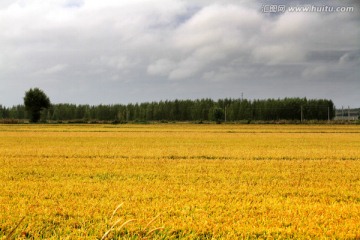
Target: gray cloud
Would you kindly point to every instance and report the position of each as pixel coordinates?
(130, 51)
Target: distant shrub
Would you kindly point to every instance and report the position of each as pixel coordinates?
(77, 121)
(9, 121)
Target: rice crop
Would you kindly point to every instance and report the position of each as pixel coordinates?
(179, 181)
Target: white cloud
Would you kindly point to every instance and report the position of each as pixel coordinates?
(314, 72)
(160, 67)
(92, 43)
(53, 69)
(350, 58)
(217, 24)
(279, 54)
(214, 35)
(116, 62)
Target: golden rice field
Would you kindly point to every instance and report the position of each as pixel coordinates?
(179, 181)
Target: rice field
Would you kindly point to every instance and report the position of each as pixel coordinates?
(179, 181)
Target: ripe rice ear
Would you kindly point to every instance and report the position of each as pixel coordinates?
(117, 208)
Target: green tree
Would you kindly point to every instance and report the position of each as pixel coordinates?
(218, 115)
(35, 101)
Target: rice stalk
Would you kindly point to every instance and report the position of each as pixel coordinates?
(117, 208)
(13, 230)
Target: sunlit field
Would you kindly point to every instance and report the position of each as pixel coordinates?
(179, 181)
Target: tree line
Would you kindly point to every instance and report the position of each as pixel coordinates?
(185, 110)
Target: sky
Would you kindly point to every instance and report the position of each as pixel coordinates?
(116, 51)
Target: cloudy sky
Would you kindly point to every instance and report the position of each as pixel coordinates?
(122, 51)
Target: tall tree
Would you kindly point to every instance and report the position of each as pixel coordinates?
(217, 115)
(35, 101)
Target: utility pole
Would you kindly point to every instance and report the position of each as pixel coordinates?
(328, 114)
(301, 116)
